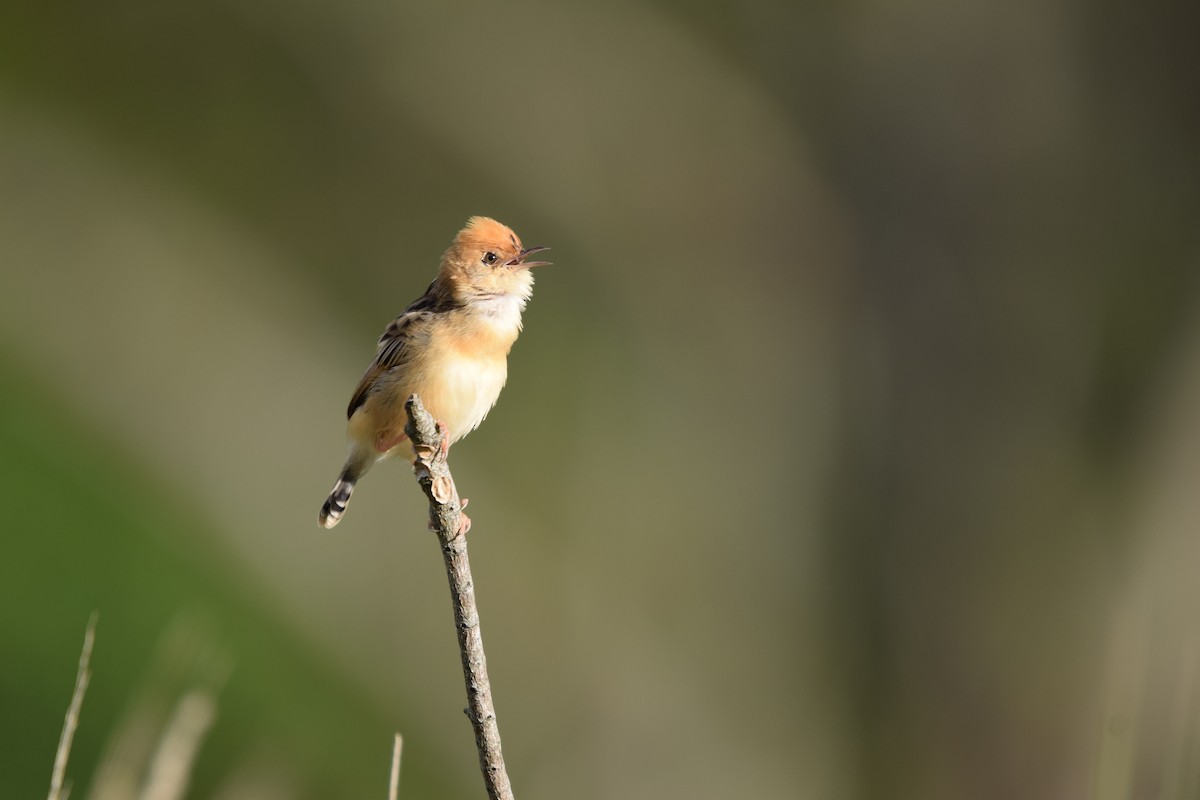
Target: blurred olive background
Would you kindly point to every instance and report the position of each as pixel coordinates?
(851, 449)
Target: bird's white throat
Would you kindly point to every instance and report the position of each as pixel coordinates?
(502, 310)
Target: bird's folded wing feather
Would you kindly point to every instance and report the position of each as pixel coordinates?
(392, 350)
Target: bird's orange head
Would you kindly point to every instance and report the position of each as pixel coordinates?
(486, 258)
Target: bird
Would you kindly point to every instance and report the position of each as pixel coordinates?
(450, 346)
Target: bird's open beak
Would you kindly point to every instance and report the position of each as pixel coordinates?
(520, 262)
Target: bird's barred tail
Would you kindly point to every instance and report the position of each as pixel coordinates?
(335, 505)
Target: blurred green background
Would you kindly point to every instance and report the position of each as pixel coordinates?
(851, 449)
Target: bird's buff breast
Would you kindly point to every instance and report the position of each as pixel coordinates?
(462, 390)
(458, 380)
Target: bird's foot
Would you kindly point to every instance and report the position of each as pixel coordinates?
(445, 431)
(383, 442)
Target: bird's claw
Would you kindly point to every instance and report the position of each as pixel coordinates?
(445, 432)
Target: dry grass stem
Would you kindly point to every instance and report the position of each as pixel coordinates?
(150, 754)
(171, 767)
(82, 676)
(394, 780)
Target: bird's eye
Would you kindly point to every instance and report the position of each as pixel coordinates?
(490, 258)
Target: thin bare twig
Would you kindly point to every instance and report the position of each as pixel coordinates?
(394, 780)
(446, 519)
(82, 676)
